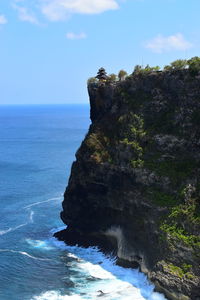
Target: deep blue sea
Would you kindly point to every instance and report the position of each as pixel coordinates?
(37, 147)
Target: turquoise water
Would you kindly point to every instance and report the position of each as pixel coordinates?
(37, 147)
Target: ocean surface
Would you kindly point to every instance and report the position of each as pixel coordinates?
(37, 147)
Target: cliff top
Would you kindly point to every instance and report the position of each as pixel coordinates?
(190, 67)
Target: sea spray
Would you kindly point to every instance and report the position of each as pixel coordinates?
(97, 275)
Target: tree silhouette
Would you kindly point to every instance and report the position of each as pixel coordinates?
(122, 74)
(112, 77)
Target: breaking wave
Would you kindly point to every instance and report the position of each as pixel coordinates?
(96, 276)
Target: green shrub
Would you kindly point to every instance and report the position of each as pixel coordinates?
(138, 163)
(194, 65)
(183, 271)
(112, 78)
(147, 69)
(122, 74)
(98, 146)
(182, 224)
(131, 134)
(132, 126)
(179, 64)
(180, 234)
(92, 80)
(137, 69)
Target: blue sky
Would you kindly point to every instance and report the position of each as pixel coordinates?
(49, 48)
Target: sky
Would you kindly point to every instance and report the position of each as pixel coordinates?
(49, 48)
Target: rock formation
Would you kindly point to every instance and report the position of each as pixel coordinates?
(134, 187)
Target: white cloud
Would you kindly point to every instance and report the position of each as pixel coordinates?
(25, 15)
(161, 44)
(56, 10)
(74, 36)
(3, 20)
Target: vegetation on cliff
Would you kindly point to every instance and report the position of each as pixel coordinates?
(193, 65)
(138, 170)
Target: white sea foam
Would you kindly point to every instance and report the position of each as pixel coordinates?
(95, 270)
(41, 202)
(110, 281)
(96, 276)
(30, 220)
(54, 230)
(31, 216)
(156, 296)
(23, 253)
(42, 245)
(54, 295)
(2, 232)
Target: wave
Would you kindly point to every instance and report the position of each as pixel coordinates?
(2, 232)
(96, 276)
(23, 253)
(11, 229)
(101, 277)
(112, 295)
(42, 245)
(40, 202)
(54, 295)
(54, 230)
(31, 216)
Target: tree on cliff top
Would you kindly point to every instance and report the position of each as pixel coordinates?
(122, 74)
(179, 64)
(101, 74)
(92, 80)
(194, 65)
(111, 78)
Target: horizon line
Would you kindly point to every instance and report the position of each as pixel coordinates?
(44, 104)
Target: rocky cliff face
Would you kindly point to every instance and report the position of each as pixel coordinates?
(134, 186)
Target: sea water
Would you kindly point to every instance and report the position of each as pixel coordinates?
(37, 147)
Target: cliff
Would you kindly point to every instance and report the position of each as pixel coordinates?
(134, 187)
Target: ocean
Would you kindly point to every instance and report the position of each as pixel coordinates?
(37, 147)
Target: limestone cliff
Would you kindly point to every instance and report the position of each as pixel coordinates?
(134, 186)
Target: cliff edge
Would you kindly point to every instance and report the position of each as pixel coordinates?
(134, 187)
